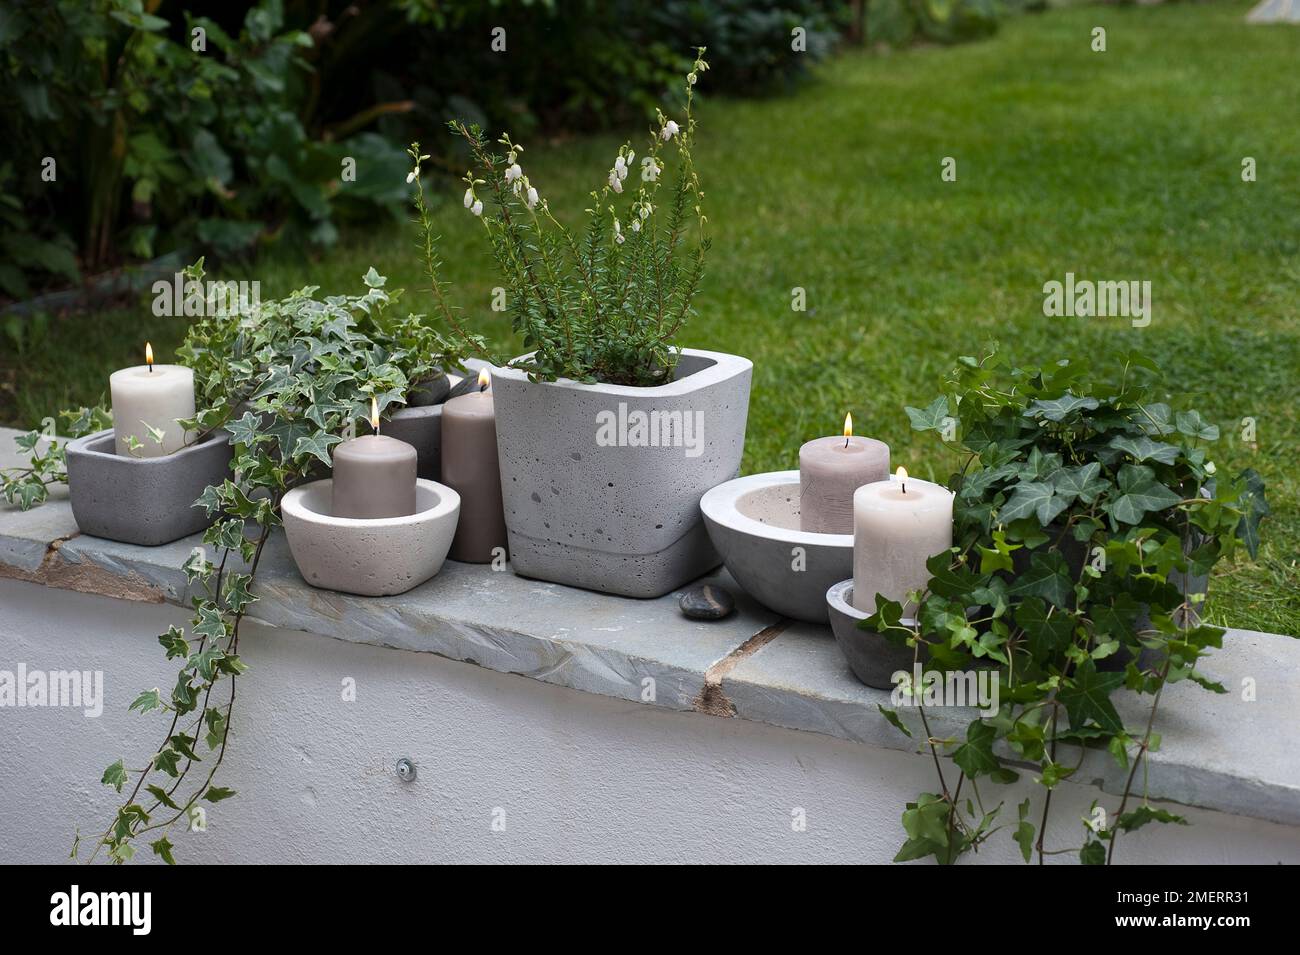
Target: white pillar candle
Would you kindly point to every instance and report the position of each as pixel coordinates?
(898, 525)
(830, 470)
(148, 396)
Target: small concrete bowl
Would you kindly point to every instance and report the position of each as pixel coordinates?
(872, 658)
(371, 557)
(753, 522)
(147, 501)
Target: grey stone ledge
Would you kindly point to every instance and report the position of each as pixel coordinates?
(1218, 751)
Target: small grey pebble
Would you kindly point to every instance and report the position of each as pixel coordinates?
(707, 602)
(432, 391)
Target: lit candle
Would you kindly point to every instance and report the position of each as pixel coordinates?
(898, 525)
(470, 467)
(151, 396)
(830, 470)
(374, 475)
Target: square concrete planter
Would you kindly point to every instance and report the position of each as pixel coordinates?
(588, 504)
(147, 501)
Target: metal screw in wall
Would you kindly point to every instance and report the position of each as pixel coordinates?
(405, 770)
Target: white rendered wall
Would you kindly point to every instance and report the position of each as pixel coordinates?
(580, 778)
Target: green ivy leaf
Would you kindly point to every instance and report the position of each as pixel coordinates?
(1142, 815)
(975, 756)
(930, 418)
(1093, 853)
(163, 798)
(318, 446)
(1144, 449)
(148, 700)
(1047, 577)
(1139, 494)
(218, 793)
(1083, 483)
(894, 720)
(1025, 832)
(1058, 409)
(1033, 499)
(1087, 698)
(115, 776)
(1193, 425)
(163, 849)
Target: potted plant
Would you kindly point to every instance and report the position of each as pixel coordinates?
(608, 434)
(1087, 519)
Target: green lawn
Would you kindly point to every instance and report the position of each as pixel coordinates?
(1120, 165)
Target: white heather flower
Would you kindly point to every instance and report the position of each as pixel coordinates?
(649, 169)
(670, 130)
(519, 184)
(646, 210)
(410, 176)
(1209, 467)
(620, 164)
(631, 155)
(691, 78)
(477, 207)
(615, 183)
(514, 172)
(531, 201)
(636, 225)
(469, 197)
(618, 232)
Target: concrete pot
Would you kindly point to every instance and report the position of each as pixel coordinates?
(617, 516)
(370, 557)
(146, 501)
(873, 659)
(754, 523)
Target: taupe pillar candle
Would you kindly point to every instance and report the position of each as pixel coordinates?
(374, 476)
(830, 470)
(470, 467)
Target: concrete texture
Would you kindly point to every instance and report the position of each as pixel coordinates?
(871, 658)
(370, 557)
(1232, 753)
(147, 501)
(1275, 11)
(754, 523)
(618, 519)
(510, 770)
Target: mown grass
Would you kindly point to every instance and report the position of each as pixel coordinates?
(1117, 165)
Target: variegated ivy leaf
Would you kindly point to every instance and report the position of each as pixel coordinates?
(1144, 448)
(1083, 483)
(1058, 409)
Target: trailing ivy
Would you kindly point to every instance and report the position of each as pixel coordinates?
(1085, 511)
(285, 384)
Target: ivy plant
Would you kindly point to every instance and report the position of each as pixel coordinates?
(285, 383)
(1088, 514)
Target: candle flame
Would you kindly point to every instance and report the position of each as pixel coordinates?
(901, 473)
(848, 425)
(148, 355)
(374, 414)
(484, 379)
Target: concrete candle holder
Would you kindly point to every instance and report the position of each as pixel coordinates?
(753, 521)
(146, 501)
(371, 557)
(872, 658)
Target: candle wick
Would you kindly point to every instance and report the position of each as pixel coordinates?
(904, 487)
(846, 441)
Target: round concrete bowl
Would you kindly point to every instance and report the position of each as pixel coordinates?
(873, 659)
(371, 557)
(753, 521)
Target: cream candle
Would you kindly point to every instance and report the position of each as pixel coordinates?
(898, 525)
(470, 467)
(374, 475)
(151, 396)
(830, 470)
